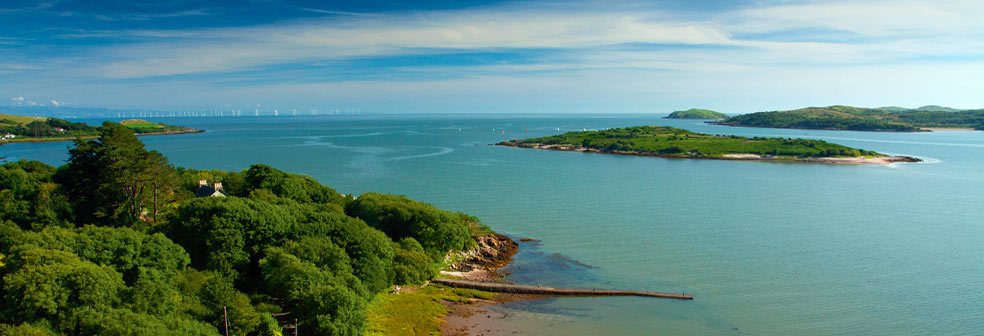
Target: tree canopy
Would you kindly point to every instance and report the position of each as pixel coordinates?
(115, 243)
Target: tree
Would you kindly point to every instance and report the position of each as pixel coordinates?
(110, 181)
(29, 198)
(438, 231)
(410, 263)
(49, 284)
(227, 234)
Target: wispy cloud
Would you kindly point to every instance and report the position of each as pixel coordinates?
(334, 12)
(146, 17)
(911, 30)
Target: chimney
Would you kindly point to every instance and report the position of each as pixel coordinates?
(202, 183)
(218, 185)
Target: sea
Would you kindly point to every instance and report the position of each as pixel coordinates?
(765, 248)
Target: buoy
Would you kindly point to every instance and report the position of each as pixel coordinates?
(503, 131)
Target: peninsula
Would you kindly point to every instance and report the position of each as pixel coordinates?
(15, 128)
(696, 113)
(675, 143)
(881, 119)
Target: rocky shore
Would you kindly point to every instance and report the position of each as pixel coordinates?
(481, 263)
(732, 157)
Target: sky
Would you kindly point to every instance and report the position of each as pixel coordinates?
(467, 56)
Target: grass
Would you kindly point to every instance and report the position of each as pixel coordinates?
(415, 312)
(137, 123)
(18, 119)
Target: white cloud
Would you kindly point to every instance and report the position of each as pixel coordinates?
(17, 99)
(594, 50)
(55, 103)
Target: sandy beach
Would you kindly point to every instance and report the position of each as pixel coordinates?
(859, 160)
(947, 129)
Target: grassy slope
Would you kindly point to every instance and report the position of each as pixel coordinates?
(415, 312)
(696, 113)
(862, 119)
(19, 119)
(674, 142)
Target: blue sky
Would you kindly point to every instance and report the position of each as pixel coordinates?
(487, 56)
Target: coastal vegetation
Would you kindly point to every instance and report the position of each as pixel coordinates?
(53, 129)
(415, 311)
(680, 143)
(116, 242)
(696, 113)
(885, 119)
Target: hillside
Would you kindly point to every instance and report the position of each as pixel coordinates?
(13, 120)
(672, 142)
(884, 119)
(696, 113)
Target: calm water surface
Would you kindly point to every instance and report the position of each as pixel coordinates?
(766, 248)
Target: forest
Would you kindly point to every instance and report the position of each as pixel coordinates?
(115, 242)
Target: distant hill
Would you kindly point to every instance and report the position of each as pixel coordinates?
(883, 119)
(696, 113)
(937, 108)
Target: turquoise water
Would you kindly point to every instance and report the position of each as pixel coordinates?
(766, 248)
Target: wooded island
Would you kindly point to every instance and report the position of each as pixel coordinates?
(669, 142)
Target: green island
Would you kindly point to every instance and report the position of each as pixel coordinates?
(38, 129)
(669, 142)
(882, 119)
(119, 242)
(696, 113)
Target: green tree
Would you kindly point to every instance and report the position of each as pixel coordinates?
(48, 284)
(438, 231)
(227, 234)
(112, 180)
(411, 264)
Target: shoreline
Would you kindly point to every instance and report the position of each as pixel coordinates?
(481, 263)
(730, 157)
(90, 137)
(933, 129)
(917, 130)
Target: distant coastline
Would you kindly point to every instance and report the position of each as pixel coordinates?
(90, 137)
(849, 118)
(15, 128)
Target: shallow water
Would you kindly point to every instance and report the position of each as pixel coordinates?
(766, 248)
